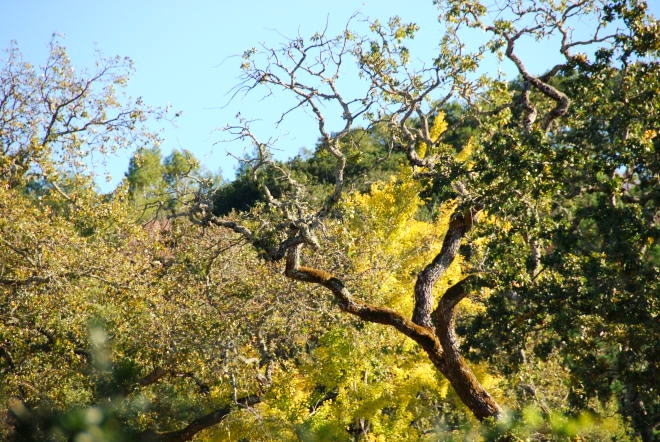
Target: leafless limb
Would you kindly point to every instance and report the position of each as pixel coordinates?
(461, 222)
(540, 20)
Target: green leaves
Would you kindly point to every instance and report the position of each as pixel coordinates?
(193, 319)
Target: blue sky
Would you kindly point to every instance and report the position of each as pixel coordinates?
(184, 55)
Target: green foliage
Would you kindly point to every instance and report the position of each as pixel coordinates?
(368, 160)
(146, 172)
(242, 194)
(585, 204)
(531, 423)
(158, 186)
(114, 330)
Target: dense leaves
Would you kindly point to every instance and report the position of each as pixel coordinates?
(459, 249)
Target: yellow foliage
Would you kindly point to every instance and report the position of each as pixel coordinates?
(466, 152)
(438, 128)
(376, 368)
(390, 245)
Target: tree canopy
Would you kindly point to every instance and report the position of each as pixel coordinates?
(459, 257)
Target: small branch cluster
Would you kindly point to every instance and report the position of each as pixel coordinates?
(541, 20)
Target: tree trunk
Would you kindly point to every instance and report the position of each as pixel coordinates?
(452, 364)
(468, 388)
(439, 343)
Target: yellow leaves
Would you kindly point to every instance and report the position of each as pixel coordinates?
(385, 235)
(501, 223)
(290, 394)
(372, 374)
(465, 154)
(390, 245)
(415, 376)
(438, 128)
(386, 213)
(649, 135)
(400, 33)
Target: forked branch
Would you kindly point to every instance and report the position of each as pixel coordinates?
(461, 222)
(424, 336)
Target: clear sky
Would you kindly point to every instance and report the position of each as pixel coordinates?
(183, 54)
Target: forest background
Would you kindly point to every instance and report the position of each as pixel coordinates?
(486, 230)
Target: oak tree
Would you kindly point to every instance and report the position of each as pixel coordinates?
(537, 146)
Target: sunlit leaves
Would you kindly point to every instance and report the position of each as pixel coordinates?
(54, 118)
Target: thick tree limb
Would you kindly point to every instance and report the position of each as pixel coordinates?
(460, 223)
(454, 367)
(444, 314)
(424, 336)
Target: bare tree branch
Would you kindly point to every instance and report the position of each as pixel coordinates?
(461, 222)
(380, 315)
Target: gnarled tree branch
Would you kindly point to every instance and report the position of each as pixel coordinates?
(454, 367)
(461, 222)
(381, 315)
